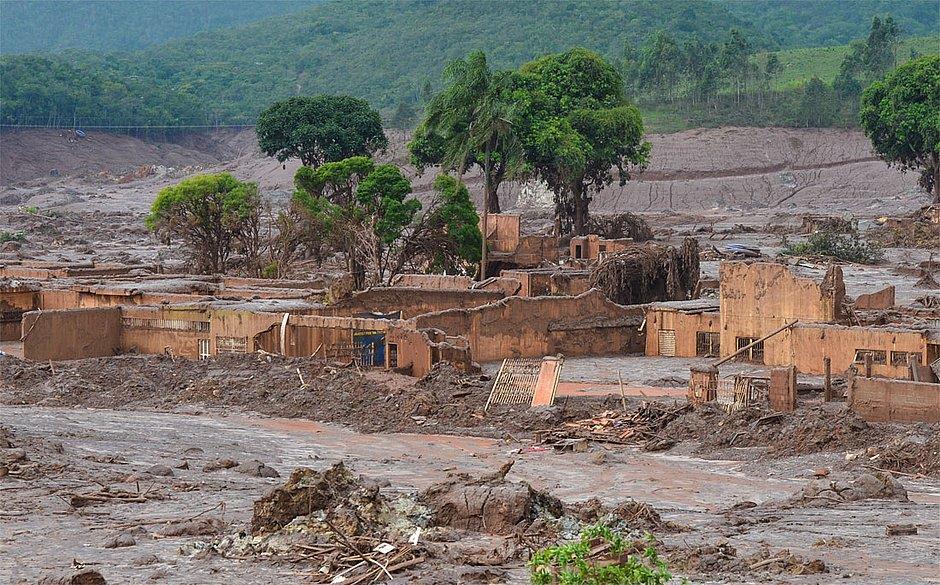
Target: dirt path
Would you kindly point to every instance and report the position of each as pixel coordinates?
(39, 533)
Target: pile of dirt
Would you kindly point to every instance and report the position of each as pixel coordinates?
(915, 452)
(446, 401)
(627, 516)
(809, 430)
(339, 525)
(615, 226)
(488, 503)
(333, 499)
(648, 273)
(722, 558)
(877, 485)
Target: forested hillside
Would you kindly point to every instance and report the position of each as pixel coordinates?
(123, 25)
(816, 23)
(701, 63)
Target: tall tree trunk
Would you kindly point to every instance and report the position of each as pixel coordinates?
(936, 176)
(487, 177)
(580, 208)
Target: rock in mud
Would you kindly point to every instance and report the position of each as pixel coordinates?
(487, 504)
(160, 470)
(867, 486)
(219, 464)
(205, 526)
(120, 541)
(83, 577)
(257, 469)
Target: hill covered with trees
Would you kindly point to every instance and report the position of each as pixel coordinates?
(123, 25)
(392, 54)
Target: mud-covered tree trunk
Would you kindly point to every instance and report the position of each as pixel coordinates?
(580, 201)
(935, 157)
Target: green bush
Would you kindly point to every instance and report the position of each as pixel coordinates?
(573, 563)
(847, 247)
(12, 237)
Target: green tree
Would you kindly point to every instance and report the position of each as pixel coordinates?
(900, 115)
(446, 237)
(661, 65)
(733, 57)
(320, 129)
(817, 104)
(576, 125)
(404, 116)
(364, 206)
(471, 122)
(881, 47)
(211, 214)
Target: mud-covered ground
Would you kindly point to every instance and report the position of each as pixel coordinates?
(721, 514)
(732, 493)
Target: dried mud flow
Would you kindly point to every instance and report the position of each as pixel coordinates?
(262, 469)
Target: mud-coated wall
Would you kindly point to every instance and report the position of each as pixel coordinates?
(538, 283)
(685, 325)
(807, 346)
(71, 334)
(410, 301)
(588, 324)
(758, 297)
(879, 400)
(432, 281)
(14, 302)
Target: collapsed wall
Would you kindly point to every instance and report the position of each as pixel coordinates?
(649, 272)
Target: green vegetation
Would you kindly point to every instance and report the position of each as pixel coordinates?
(798, 23)
(366, 212)
(846, 247)
(112, 25)
(390, 54)
(573, 563)
(575, 124)
(213, 215)
(901, 115)
(471, 122)
(6, 236)
(320, 129)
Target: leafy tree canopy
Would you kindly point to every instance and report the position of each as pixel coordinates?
(209, 213)
(576, 125)
(320, 129)
(901, 116)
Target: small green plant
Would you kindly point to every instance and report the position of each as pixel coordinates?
(598, 557)
(12, 237)
(31, 209)
(847, 247)
(271, 270)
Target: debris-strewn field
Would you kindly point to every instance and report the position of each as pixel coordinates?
(146, 467)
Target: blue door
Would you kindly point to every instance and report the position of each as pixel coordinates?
(370, 347)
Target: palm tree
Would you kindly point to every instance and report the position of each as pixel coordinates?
(474, 116)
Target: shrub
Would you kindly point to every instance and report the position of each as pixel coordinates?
(847, 247)
(12, 237)
(573, 563)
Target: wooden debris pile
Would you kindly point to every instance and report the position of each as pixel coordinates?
(353, 560)
(337, 527)
(641, 427)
